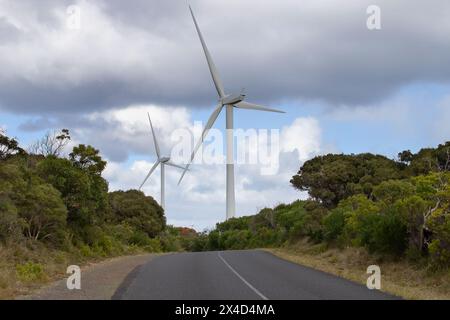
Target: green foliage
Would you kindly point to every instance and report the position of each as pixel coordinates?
(87, 158)
(10, 228)
(397, 218)
(384, 233)
(391, 208)
(392, 190)
(412, 210)
(85, 195)
(137, 210)
(334, 224)
(332, 178)
(43, 212)
(170, 242)
(9, 147)
(268, 228)
(429, 160)
(405, 156)
(439, 225)
(29, 206)
(65, 203)
(30, 271)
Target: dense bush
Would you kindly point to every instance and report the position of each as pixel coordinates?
(397, 208)
(391, 208)
(332, 178)
(65, 203)
(137, 210)
(29, 206)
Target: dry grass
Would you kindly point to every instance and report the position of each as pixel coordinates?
(397, 277)
(24, 268)
(13, 283)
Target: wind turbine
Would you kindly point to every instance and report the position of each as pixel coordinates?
(163, 161)
(229, 101)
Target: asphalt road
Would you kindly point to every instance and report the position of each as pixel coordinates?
(235, 275)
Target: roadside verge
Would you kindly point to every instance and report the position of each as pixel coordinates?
(99, 281)
(399, 278)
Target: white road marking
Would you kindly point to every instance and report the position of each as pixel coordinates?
(242, 278)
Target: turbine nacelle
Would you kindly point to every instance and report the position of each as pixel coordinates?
(231, 99)
(164, 159)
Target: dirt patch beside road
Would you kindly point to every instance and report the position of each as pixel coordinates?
(98, 281)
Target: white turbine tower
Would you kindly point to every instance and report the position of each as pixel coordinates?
(162, 161)
(229, 101)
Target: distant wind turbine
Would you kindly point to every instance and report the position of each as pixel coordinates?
(229, 101)
(162, 161)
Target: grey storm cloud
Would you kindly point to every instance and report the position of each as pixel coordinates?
(147, 52)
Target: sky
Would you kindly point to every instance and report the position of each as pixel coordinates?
(344, 87)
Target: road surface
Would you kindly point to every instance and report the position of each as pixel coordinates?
(235, 275)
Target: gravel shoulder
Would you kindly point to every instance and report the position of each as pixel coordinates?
(98, 281)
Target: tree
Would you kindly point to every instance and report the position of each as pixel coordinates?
(10, 229)
(87, 158)
(432, 222)
(29, 204)
(363, 222)
(405, 156)
(415, 211)
(141, 212)
(51, 144)
(392, 190)
(9, 147)
(85, 195)
(332, 178)
(439, 224)
(43, 212)
(10, 180)
(11, 185)
(431, 160)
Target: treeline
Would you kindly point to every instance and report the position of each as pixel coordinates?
(398, 208)
(63, 202)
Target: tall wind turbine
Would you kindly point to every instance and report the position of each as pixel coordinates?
(163, 161)
(229, 101)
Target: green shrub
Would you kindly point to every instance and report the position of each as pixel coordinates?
(139, 211)
(140, 238)
(384, 233)
(170, 243)
(153, 245)
(86, 251)
(106, 246)
(440, 245)
(123, 232)
(334, 224)
(30, 271)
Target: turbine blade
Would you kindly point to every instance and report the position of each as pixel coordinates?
(211, 65)
(169, 163)
(149, 173)
(154, 136)
(252, 106)
(208, 126)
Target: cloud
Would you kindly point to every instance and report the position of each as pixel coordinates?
(304, 136)
(120, 133)
(205, 183)
(148, 52)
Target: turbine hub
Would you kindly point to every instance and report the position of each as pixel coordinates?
(164, 159)
(232, 99)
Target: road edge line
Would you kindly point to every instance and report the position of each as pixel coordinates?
(242, 278)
